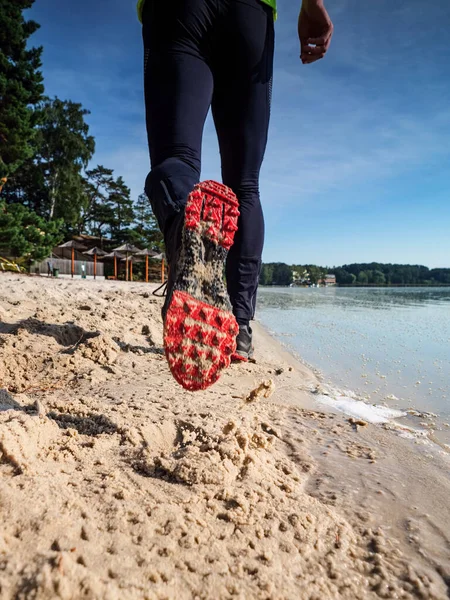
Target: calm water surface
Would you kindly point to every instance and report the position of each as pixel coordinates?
(378, 342)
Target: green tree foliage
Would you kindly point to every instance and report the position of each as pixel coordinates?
(96, 214)
(362, 274)
(108, 211)
(20, 86)
(27, 186)
(378, 277)
(64, 149)
(122, 209)
(363, 277)
(147, 233)
(51, 183)
(107, 208)
(266, 276)
(45, 149)
(440, 275)
(282, 274)
(24, 234)
(276, 274)
(390, 274)
(343, 277)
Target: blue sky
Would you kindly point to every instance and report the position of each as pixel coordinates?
(357, 166)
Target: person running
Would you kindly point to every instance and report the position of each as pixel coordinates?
(218, 54)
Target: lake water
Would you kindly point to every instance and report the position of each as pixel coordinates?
(388, 346)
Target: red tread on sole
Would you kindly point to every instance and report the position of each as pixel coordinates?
(197, 348)
(199, 338)
(220, 212)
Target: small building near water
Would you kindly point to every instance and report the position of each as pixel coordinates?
(329, 280)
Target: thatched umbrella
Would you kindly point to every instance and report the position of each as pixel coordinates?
(147, 253)
(95, 252)
(114, 255)
(74, 246)
(128, 249)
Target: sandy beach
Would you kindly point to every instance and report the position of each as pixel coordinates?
(115, 483)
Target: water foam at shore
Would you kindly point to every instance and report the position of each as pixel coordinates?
(359, 409)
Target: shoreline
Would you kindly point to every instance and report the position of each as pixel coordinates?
(350, 404)
(355, 373)
(114, 477)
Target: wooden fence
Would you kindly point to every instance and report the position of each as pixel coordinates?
(65, 267)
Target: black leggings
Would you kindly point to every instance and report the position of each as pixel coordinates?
(218, 53)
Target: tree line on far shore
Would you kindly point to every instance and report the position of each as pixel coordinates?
(49, 189)
(353, 274)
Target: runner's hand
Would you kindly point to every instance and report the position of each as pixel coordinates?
(314, 30)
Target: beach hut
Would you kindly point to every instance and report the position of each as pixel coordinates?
(114, 256)
(128, 249)
(147, 253)
(96, 253)
(73, 246)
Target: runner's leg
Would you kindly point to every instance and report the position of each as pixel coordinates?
(198, 221)
(243, 68)
(178, 92)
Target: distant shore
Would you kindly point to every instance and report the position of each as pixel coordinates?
(366, 285)
(384, 285)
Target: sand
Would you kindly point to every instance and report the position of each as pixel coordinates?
(117, 484)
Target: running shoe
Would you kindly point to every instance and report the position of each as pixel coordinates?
(200, 329)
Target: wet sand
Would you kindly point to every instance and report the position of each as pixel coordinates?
(115, 483)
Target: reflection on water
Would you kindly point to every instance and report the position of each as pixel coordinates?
(352, 298)
(380, 342)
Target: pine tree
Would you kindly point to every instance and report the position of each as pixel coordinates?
(148, 234)
(24, 234)
(65, 148)
(123, 213)
(51, 183)
(20, 86)
(27, 186)
(94, 214)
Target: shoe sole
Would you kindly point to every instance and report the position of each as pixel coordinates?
(200, 329)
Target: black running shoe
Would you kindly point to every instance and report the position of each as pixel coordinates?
(244, 340)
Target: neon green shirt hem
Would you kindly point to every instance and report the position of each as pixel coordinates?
(271, 3)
